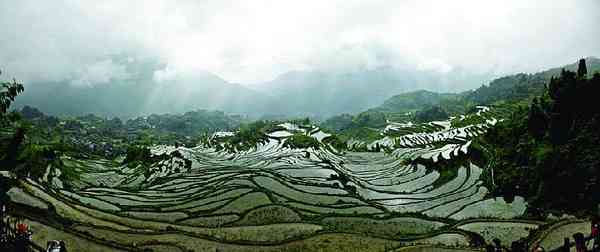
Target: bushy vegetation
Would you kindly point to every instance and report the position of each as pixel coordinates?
(339, 122)
(335, 142)
(370, 119)
(8, 92)
(111, 137)
(414, 101)
(435, 113)
(33, 160)
(189, 123)
(363, 126)
(412, 106)
(248, 135)
(367, 119)
(521, 86)
(549, 151)
(365, 134)
(137, 154)
(302, 141)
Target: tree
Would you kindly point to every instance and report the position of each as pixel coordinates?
(8, 92)
(371, 119)
(339, 122)
(431, 114)
(31, 113)
(554, 88)
(581, 69)
(537, 123)
(137, 154)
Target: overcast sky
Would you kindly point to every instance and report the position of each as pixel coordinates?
(254, 41)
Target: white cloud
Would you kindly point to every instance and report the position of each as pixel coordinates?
(249, 41)
(437, 65)
(101, 72)
(163, 75)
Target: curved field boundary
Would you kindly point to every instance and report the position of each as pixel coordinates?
(545, 232)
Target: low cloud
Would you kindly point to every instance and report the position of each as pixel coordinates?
(163, 75)
(249, 42)
(101, 72)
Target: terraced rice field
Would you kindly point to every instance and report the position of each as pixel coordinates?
(277, 198)
(552, 238)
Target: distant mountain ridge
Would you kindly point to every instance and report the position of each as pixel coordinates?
(522, 85)
(330, 93)
(310, 93)
(511, 87)
(411, 101)
(141, 94)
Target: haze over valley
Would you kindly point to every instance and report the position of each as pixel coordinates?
(299, 125)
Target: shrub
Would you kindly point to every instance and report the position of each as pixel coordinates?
(302, 141)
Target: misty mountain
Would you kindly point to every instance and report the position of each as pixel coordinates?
(511, 88)
(328, 93)
(522, 85)
(412, 101)
(409, 106)
(139, 93)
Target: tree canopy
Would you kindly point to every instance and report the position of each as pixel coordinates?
(8, 93)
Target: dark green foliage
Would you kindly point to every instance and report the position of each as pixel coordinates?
(302, 141)
(114, 124)
(362, 133)
(414, 101)
(371, 119)
(341, 177)
(137, 154)
(12, 149)
(555, 164)
(435, 113)
(9, 156)
(73, 125)
(560, 125)
(511, 146)
(362, 126)
(581, 69)
(524, 86)
(402, 107)
(339, 122)
(251, 133)
(34, 159)
(109, 137)
(37, 117)
(248, 135)
(141, 155)
(514, 87)
(335, 142)
(508, 89)
(30, 113)
(301, 122)
(537, 122)
(8, 92)
(189, 123)
(13, 116)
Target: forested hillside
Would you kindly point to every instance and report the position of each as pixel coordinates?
(549, 151)
(522, 86)
(423, 105)
(504, 89)
(400, 107)
(546, 149)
